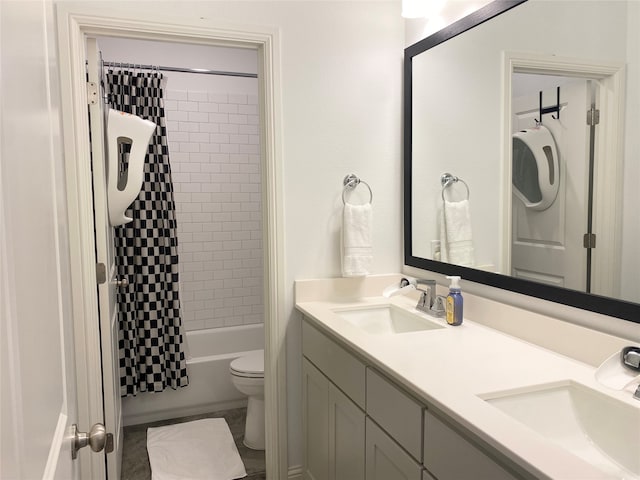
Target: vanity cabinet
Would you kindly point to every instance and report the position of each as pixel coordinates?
(333, 423)
(396, 412)
(315, 414)
(360, 425)
(386, 460)
(450, 456)
(334, 430)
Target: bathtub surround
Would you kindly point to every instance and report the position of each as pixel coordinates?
(150, 339)
(210, 353)
(214, 140)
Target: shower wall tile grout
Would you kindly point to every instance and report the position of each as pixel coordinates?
(215, 160)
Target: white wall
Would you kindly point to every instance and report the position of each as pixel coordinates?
(450, 11)
(341, 96)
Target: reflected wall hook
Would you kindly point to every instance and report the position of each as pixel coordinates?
(555, 108)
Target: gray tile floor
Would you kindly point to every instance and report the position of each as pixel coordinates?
(135, 461)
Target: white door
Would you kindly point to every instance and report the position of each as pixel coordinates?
(38, 402)
(107, 304)
(547, 245)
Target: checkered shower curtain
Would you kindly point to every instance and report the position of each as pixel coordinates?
(152, 354)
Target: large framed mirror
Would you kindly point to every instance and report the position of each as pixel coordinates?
(521, 165)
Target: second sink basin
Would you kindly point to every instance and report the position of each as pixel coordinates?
(600, 429)
(385, 319)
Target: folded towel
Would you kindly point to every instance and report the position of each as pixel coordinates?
(456, 240)
(356, 240)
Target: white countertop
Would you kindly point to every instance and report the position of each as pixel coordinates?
(450, 368)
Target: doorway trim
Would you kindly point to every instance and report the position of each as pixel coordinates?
(73, 27)
(607, 212)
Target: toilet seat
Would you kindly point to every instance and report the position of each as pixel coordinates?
(250, 365)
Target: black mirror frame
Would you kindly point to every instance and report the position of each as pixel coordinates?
(595, 303)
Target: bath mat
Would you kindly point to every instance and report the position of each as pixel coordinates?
(198, 450)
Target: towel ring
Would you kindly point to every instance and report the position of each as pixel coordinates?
(447, 180)
(350, 182)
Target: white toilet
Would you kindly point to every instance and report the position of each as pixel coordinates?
(247, 375)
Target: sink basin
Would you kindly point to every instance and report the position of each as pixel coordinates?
(385, 319)
(599, 429)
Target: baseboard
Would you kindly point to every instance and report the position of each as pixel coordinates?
(295, 473)
(154, 416)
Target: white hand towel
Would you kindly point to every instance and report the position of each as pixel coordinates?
(356, 240)
(456, 239)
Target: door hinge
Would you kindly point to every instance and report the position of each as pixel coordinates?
(589, 240)
(101, 273)
(92, 93)
(593, 116)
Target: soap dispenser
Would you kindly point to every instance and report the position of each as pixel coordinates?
(454, 302)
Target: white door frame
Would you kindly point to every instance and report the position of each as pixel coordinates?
(72, 29)
(607, 211)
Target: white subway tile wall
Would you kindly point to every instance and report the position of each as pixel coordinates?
(215, 161)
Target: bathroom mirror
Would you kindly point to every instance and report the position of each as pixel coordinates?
(458, 84)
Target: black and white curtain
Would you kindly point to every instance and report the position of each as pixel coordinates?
(151, 343)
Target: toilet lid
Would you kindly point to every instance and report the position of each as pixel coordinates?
(249, 365)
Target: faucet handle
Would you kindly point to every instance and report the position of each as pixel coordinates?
(630, 357)
(438, 308)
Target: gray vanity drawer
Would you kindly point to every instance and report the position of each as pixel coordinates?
(450, 456)
(342, 368)
(396, 412)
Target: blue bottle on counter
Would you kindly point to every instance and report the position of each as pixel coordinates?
(454, 302)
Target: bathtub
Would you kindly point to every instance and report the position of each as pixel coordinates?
(209, 353)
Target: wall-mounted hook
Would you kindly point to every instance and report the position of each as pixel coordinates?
(553, 109)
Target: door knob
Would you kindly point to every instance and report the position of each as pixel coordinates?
(97, 439)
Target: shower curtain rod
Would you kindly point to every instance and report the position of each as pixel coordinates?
(203, 71)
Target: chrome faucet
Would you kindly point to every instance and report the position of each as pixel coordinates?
(429, 302)
(630, 358)
(427, 296)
